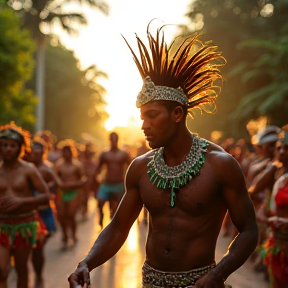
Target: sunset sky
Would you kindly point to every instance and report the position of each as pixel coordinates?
(101, 43)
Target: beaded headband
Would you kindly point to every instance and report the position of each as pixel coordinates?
(14, 132)
(284, 135)
(151, 92)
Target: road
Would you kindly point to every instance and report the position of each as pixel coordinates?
(124, 269)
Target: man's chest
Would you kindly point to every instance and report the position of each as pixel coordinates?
(13, 181)
(67, 170)
(198, 195)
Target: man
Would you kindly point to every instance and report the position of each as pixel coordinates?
(186, 183)
(18, 218)
(266, 148)
(112, 188)
(38, 258)
(70, 170)
(91, 185)
(265, 145)
(275, 249)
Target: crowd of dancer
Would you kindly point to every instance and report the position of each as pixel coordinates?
(37, 198)
(265, 167)
(43, 186)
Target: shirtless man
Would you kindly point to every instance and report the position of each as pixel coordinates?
(274, 250)
(91, 185)
(186, 183)
(70, 170)
(112, 188)
(18, 219)
(45, 211)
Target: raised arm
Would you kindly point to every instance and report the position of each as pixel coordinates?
(242, 214)
(265, 179)
(113, 235)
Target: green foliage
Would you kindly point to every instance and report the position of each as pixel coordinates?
(16, 66)
(74, 100)
(48, 13)
(253, 38)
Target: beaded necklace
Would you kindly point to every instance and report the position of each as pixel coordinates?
(163, 176)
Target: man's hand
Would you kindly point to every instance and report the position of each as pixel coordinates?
(80, 277)
(210, 281)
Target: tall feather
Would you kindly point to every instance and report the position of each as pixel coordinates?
(194, 66)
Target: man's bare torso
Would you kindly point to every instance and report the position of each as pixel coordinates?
(69, 171)
(116, 163)
(184, 236)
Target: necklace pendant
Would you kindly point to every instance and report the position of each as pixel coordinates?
(173, 196)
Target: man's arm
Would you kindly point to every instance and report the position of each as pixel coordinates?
(99, 165)
(241, 210)
(242, 214)
(265, 179)
(38, 183)
(113, 235)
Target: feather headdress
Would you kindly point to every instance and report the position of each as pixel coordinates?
(14, 132)
(187, 74)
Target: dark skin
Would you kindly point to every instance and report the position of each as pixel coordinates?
(183, 237)
(272, 172)
(70, 170)
(51, 179)
(16, 178)
(115, 160)
(16, 196)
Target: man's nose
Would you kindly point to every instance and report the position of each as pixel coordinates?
(145, 125)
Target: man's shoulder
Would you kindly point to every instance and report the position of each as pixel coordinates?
(142, 160)
(27, 166)
(217, 156)
(77, 162)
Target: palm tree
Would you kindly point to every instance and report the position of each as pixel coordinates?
(47, 13)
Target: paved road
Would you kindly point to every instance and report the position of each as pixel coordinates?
(124, 269)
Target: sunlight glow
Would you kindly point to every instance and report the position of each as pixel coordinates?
(101, 43)
(132, 240)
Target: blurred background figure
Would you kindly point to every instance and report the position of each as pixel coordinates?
(115, 161)
(274, 250)
(89, 165)
(71, 172)
(265, 145)
(38, 148)
(19, 222)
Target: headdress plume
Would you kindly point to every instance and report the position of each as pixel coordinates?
(188, 74)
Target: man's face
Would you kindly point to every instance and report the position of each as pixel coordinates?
(269, 149)
(282, 153)
(10, 149)
(158, 125)
(37, 154)
(114, 140)
(67, 153)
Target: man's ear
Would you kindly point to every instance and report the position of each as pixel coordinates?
(178, 113)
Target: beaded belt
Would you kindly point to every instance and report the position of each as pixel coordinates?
(18, 218)
(152, 278)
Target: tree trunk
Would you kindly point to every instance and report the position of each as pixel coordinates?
(40, 85)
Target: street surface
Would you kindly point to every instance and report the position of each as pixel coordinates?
(124, 269)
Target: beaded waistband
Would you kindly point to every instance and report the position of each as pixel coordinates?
(152, 278)
(18, 218)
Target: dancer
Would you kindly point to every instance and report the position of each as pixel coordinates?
(112, 188)
(71, 172)
(18, 217)
(186, 183)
